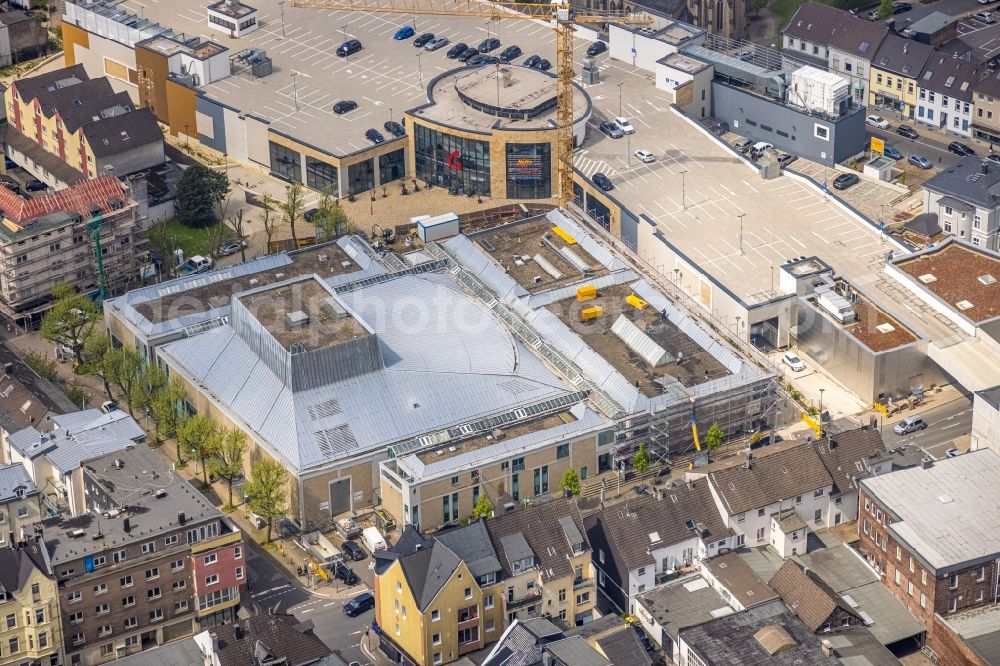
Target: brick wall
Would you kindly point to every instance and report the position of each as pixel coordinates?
(949, 648)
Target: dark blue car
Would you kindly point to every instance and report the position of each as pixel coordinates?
(405, 32)
(892, 153)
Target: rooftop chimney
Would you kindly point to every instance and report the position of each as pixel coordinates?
(905, 45)
(126, 525)
(181, 518)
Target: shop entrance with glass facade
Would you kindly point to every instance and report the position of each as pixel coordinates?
(460, 165)
(529, 170)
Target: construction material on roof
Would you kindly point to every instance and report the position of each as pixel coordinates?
(548, 267)
(565, 236)
(636, 302)
(586, 293)
(587, 314)
(640, 343)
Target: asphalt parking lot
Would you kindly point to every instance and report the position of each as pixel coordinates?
(871, 198)
(385, 78)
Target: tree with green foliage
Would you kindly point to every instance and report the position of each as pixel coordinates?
(70, 320)
(151, 381)
(227, 464)
(483, 508)
(267, 491)
(123, 368)
(200, 191)
(41, 365)
(96, 348)
(166, 409)
(884, 9)
(199, 436)
(77, 394)
(294, 206)
(570, 483)
(640, 461)
(759, 5)
(714, 437)
(331, 220)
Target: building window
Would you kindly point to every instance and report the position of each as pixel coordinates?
(435, 615)
(952, 605)
(73, 597)
(529, 169)
(177, 565)
(923, 600)
(432, 152)
(760, 513)
(923, 577)
(154, 593)
(953, 582)
(100, 561)
(239, 573)
(798, 499)
(741, 518)
(212, 580)
(211, 559)
(101, 588)
(156, 615)
(818, 493)
(179, 585)
(821, 132)
(102, 609)
(180, 606)
(979, 595)
(237, 553)
(391, 166)
(171, 540)
(437, 655)
(562, 451)
(128, 601)
(118, 556)
(760, 534)
(981, 574)
(152, 573)
(899, 554)
(977, 222)
(149, 548)
(104, 630)
(126, 581)
(488, 601)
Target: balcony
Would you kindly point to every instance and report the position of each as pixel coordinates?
(468, 617)
(217, 542)
(581, 583)
(665, 577)
(531, 597)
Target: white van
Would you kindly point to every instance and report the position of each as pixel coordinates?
(760, 148)
(373, 540)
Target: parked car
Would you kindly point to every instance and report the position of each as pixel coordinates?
(644, 156)
(985, 17)
(759, 149)
(109, 406)
(603, 182)
(436, 43)
(349, 47)
(489, 44)
(993, 157)
(910, 424)
(353, 551)
(345, 574)
(8, 163)
(405, 32)
(374, 136)
(646, 641)
(344, 105)
(891, 153)
(920, 161)
(985, 2)
(359, 604)
(624, 125)
(35, 185)
(953, 453)
(960, 149)
(467, 54)
(531, 61)
(784, 159)
(231, 247)
(845, 180)
(907, 131)
(511, 52)
(422, 40)
(456, 50)
(597, 48)
(793, 361)
(10, 183)
(543, 65)
(901, 7)
(476, 60)
(612, 130)
(394, 128)
(743, 145)
(877, 121)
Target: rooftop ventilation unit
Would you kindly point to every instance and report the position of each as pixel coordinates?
(927, 278)
(333, 307)
(838, 306)
(885, 328)
(963, 305)
(296, 319)
(987, 279)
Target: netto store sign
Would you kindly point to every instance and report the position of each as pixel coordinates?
(524, 163)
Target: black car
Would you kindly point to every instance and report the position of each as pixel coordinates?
(35, 185)
(960, 149)
(8, 163)
(394, 128)
(597, 48)
(359, 604)
(510, 53)
(422, 40)
(845, 180)
(374, 136)
(456, 50)
(543, 65)
(353, 551)
(349, 47)
(993, 157)
(603, 182)
(467, 55)
(531, 61)
(907, 131)
(644, 638)
(344, 573)
(489, 44)
(310, 214)
(901, 7)
(10, 184)
(344, 105)
(488, 59)
(612, 130)
(476, 60)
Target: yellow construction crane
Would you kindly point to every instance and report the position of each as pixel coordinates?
(559, 12)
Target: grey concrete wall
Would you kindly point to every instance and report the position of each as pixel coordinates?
(141, 157)
(789, 129)
(257, 141)
(211, 123)
(28, 40)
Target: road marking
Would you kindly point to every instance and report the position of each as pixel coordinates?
(308, 610)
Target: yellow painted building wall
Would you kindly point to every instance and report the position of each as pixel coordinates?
(30, 634)
(900, 87)
(73, 36)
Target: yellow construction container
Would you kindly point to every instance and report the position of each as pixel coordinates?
(586, 293)
(587, 314)
(636, 302)
(565, 236)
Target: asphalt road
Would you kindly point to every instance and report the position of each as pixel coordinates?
(324, 606)
(944, 424)
(929, 146)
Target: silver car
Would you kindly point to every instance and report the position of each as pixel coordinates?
(435, 43)
(910, 424)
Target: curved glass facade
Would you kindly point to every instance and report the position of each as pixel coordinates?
(529, 170)
(432, 150)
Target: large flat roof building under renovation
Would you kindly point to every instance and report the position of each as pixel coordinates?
(522, 338)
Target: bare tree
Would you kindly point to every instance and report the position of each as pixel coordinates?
(237, 222)
(293, 207)
(269, 221)
(220, 235)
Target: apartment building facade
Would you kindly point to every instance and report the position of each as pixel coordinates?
(894, 75)
(438, 486)
(31, 630)
(907, 530)
(20, 504)
(48, 240)
(546, 562)
(144, 566)
(945, 93)
(961, 197)
(986, 110)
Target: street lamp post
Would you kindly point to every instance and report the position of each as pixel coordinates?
(295, 90)
(821, 392)
(281, 6)
(741, 216)
(390, 114)
(684, 204)
(620, 97)
(420, 71)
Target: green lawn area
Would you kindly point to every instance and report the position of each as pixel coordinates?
(785, 8)
(172, 235)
